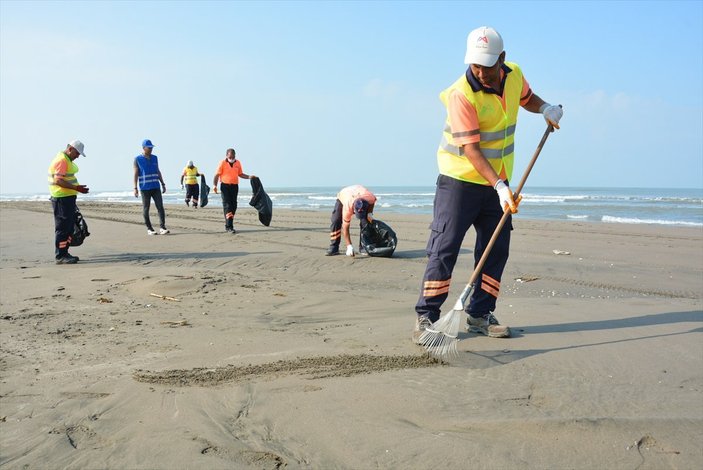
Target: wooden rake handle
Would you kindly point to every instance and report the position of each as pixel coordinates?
(506, 214)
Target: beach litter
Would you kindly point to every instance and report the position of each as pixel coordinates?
(164, 297)
(559, 252)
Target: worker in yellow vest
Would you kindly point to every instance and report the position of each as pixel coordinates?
(475, 159)
(64, 188)
(190, 178)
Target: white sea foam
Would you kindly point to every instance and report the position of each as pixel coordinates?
(630, 220)
(569, 216)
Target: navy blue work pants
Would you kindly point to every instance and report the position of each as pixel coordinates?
(64, 221)
(229, 193)
(458, 206)
(336, 224)
(193, 191)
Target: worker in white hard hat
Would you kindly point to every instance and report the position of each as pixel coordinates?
(475, 159)
(190, 177)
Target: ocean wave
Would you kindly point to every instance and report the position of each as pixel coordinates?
(631, 220)
(569, 216)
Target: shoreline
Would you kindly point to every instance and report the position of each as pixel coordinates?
(202, 349)
(381, 213)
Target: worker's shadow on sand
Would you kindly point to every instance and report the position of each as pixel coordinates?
(129, 257)
(488, 359)
(410, 254)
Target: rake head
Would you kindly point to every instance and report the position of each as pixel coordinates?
(440, 339)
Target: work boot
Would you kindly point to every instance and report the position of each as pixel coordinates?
(421, 324)
(332, 250)
(66, 259)
(487, 325)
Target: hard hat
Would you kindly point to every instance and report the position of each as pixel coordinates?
(483, 46)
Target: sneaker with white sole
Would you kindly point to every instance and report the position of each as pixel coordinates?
(487, 325)
(421, 324)
(151, 232)
(164, 231)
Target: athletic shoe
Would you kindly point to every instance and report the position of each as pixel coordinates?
(229, 230)
(421, 324)
(487, 325)
(331, 251)
(151, 232)
(67, 259)
(164, 231)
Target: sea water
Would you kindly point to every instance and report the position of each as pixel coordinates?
(681, 207)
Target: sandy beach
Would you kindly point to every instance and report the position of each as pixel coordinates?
(202, 349)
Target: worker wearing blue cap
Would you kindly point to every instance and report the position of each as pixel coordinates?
(147, 177)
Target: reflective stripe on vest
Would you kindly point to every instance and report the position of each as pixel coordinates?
(148, 172)
(497, 129)
(69, 176)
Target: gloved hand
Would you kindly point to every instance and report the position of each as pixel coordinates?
(183, 186)
(552, 114)
(163, 188)
(350, 250)
(83, 189)
(506, 197)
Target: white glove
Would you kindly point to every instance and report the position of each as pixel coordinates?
(552, 114)
(506, 197)
(350, 250)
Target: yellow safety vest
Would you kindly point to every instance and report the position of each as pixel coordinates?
(497, 127)
(191, 175)
(69, 176)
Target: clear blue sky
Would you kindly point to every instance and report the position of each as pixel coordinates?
(335, 93)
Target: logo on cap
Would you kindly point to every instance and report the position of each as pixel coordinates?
(482, 39)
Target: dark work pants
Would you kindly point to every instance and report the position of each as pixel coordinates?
(147, 196)
(64, 221)
(457, 206)
(193, 191)
(229, 193)
(336, 226)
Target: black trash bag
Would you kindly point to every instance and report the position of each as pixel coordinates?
(261, 201)
(204, 191)
(80, 230)
(378, 239)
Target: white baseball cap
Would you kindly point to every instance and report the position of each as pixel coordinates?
(190, 163)
(483, 46)
(78, 145)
